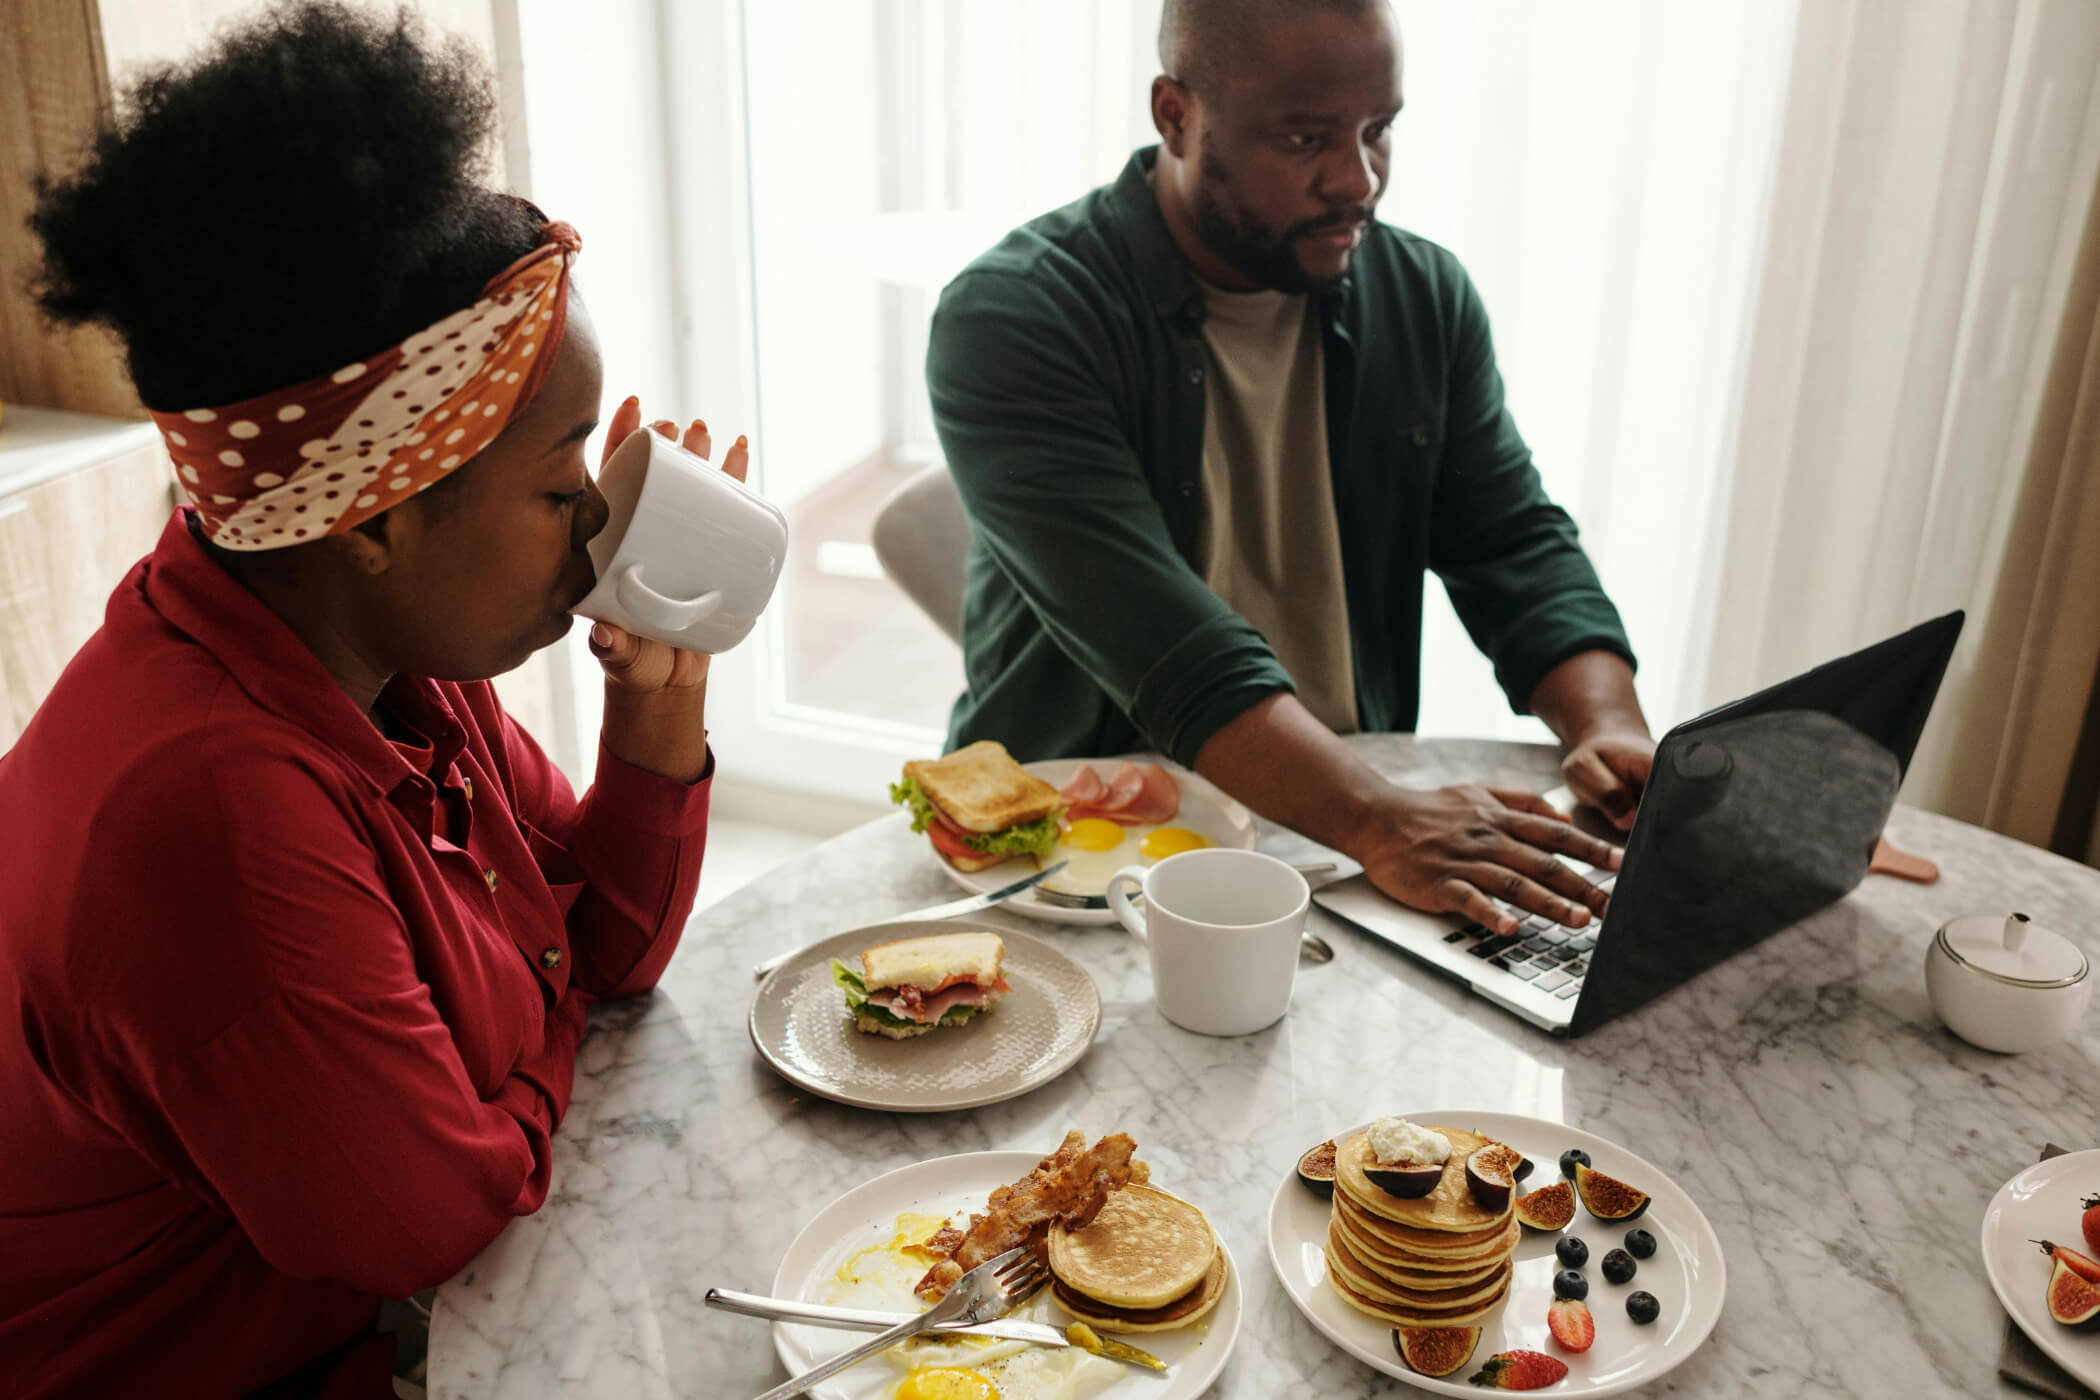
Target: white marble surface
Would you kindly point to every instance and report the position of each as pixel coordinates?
(1842, 1142)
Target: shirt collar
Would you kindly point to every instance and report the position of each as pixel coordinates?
(1170, 285)
(277, 670)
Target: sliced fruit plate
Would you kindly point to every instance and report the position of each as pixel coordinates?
(1567, 1326)
(2051, 1292)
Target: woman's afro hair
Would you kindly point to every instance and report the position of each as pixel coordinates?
(306, 191)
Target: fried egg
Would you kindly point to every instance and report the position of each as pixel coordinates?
(1094, 848)
(948, 1367)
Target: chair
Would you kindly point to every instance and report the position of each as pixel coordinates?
(920, 536)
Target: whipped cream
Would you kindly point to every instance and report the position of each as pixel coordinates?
(1397, 1140)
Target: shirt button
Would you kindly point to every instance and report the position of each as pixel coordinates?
(489, 875)
(1188, 488)
(467, 784)
(1196, 375)
(1421, 436)
(550, 958)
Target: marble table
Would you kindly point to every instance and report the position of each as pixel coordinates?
(1842, 1142)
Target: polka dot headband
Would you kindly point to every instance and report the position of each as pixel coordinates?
(317, 458)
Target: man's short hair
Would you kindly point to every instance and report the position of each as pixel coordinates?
(1201, 42)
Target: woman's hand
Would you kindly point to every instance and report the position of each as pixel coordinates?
(656, 694)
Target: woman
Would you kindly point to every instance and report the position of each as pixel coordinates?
(299, 930)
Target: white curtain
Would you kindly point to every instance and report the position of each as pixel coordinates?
(1932, 176)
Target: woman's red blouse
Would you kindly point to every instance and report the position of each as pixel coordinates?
(288, 1010)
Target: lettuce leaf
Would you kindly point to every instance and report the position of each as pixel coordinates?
(856, 989)
(922, 813)
(1028, 839)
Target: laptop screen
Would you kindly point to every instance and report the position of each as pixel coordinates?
(1760, 813)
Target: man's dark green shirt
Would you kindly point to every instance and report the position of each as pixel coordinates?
(1067, 372)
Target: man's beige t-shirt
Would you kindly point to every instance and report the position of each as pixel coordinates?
(1267, 539)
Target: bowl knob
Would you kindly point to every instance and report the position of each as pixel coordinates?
(2015, 931)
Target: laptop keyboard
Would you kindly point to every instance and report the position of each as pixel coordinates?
(1545, 954)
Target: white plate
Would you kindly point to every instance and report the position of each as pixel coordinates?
(799, 1023)
(955, 1187)
(1204, 810)
(2041, 1203)
(1685, 1273)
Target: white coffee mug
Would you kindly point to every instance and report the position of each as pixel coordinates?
(1222, 927)
(690, 554)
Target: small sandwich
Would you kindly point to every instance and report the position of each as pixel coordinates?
(979, 806)
(1148, 1262)
(909, 987)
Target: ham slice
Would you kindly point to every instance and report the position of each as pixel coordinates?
(1133, 795)
(914, 1005)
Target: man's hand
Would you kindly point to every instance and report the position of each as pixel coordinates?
(1609, 771)
(1458, 849)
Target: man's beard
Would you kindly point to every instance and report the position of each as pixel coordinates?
(1266, 261)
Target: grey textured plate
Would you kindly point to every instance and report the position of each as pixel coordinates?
(799, 1024)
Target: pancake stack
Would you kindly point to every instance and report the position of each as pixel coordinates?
(1147, 1263)
(1435, 1261)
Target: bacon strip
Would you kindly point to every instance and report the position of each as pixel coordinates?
(1071, 1185)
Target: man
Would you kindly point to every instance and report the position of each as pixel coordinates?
(1212, 423)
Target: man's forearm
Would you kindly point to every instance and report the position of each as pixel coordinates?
(1589, 694)
(1278, 759)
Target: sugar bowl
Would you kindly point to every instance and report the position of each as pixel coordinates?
(2006, 983)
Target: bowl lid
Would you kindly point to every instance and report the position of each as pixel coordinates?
(2014, 949)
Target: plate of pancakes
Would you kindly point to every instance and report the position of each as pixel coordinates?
(1148, 1271)
(1366, 1263)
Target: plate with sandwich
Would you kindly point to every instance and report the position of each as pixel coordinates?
(924, 1017)
(1140, 1267)
(990, 821)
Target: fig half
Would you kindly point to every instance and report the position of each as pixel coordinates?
(1490, 1175)
(1436, 1351)
(1549, 1207)
(1407, 1180)
(2073, 1301)
(1316, 1169)
(1607, 1197)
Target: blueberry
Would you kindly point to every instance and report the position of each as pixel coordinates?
(1618, 1266)
(1569, 1283)
(1569, 1158)
(1642, 1307)
(1572, 1251)
(1640, 1244)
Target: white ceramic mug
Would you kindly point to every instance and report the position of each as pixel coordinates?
(690, 554)
(1222, 927)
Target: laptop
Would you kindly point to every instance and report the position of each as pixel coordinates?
(1756, 815)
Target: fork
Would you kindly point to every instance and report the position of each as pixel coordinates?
(980, 1295)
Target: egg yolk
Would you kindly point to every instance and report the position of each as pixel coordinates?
(946, 1383)
(1171, 841)
(1094, 834)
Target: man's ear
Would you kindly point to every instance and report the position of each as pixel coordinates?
(372, 545)
(1170, 114)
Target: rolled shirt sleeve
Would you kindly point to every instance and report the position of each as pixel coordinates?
(1060, 503)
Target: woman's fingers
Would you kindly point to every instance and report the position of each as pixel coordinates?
(1594, 781)
(697, 440)
(738, 461)
(626, 418)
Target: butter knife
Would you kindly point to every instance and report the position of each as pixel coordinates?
(859, 1320)
(950, 910)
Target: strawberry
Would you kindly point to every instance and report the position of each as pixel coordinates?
(2087, 1269)
(1519, 1370)
(2090, 1223)
(1570, 1323)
